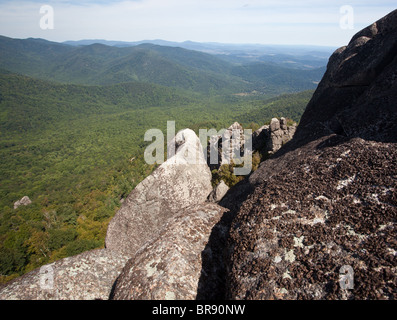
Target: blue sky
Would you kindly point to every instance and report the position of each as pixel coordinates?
(307, 22)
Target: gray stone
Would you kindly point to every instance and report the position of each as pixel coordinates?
(267, 139)
(225, 146)
(219, 192)
(274, 125)
(182, 181)
(356, 97)
(23, 202)
(271, 138)
(308, 213)
(170, 266)
(283, 124)
(327, 202)
(87, 276)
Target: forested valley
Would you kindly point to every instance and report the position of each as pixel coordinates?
(72, 125)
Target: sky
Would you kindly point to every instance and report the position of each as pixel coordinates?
(287, 22)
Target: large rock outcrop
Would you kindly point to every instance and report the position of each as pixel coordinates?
(222, 148)
(182, 181)
(357, 95)
(334, 205)
(146, 219)
(327, 201)
(87, 276)
(270, 138)
(171, 265)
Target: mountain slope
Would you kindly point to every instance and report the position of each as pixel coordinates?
(76, 151)
(298, 57)
(30, 56)
(292, 105)
(270, 77)
(28, 104)
(71, 134)
(98, 64)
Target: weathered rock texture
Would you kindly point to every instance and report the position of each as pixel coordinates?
(357, 95)
(171, 266)
(334, 206)
(219, 192)
(182, 181)
(25, 201)
(222, 148)
(328, 198)
(270, 138)
(87, 276)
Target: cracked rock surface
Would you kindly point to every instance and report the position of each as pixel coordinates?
(336, 206)
(357, 95)
(182, 181)
(171, 266)
(87, 276)
(328, 198)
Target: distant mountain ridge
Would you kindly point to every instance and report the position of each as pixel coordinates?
(100, 64)
(214, 47)
(296, 56)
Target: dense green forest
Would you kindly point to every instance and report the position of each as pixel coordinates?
(175, 67)
(77, 149)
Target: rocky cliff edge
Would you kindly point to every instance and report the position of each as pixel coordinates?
(315, 221)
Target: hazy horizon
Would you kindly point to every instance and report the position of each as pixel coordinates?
(182, 42)
(205, 42)
(270, 22)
